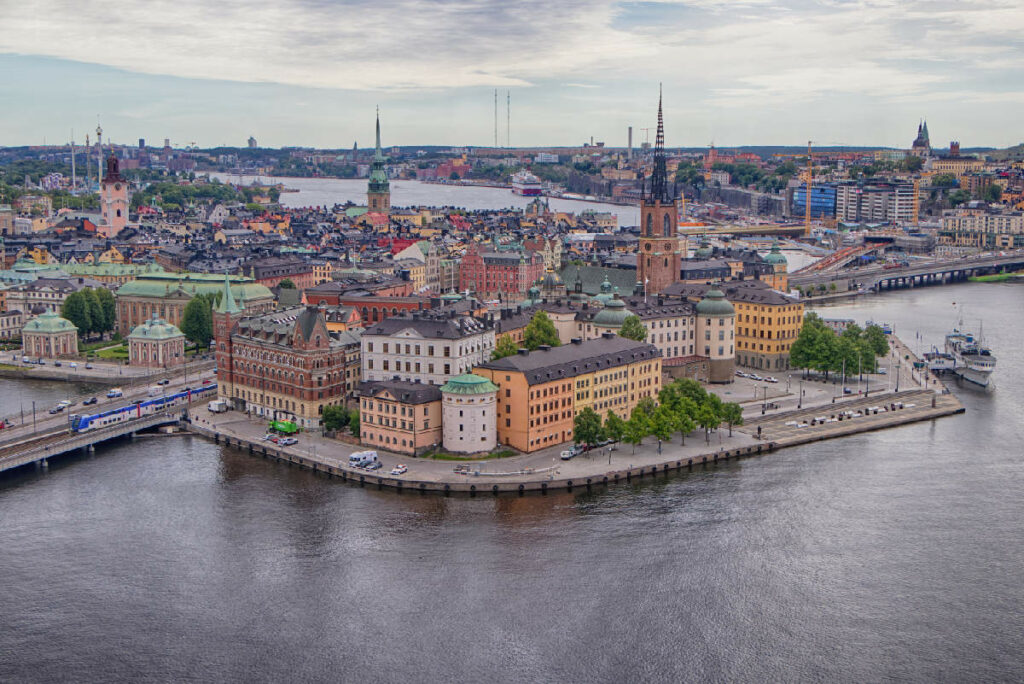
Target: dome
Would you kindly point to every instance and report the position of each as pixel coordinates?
(468, 383)
(775, 256)
(704, 251)
(606, 294)
(155, 329)
(715, 304)
(613, 315)
(49, 322)
(551, 281)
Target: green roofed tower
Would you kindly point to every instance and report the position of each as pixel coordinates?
(378, 192)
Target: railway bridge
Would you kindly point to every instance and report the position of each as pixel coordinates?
(933, 273)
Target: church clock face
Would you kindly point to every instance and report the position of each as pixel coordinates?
(648, 246)
(117, 186)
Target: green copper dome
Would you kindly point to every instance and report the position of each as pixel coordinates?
(775, 256)
(715, 304)
(704, 251)
(613, 315)
(155, 329)
(49, 322)
(468, 383)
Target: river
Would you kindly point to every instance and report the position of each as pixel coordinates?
(890, 556)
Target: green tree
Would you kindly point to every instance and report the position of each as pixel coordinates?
(197, 321)
(913, 164)
(943, 180)
(992, 193)
(109, 308)
(76, 310)
(353, 422)
(958, 197)
(286, 284)
(707, 419)
(614, 427)
(633, 329)
(96, 316)
(637, 427)
(686, 410)
(732, 413)
(540, 330)
(506, 347)
(664, 423)
(587, 427)
(335, 417)
(877, 340)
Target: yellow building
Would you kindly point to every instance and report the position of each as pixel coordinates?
(957, 166)
(540, 393)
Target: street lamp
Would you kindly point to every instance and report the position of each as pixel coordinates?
(800, 399)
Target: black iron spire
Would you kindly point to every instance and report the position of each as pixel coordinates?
(659, 177)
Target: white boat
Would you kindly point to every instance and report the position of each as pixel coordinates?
(526, 184)
(974, 361)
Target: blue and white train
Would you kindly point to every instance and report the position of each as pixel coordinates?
(95, 421)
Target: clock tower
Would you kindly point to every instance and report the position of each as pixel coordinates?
(658, 262)
(113, 199)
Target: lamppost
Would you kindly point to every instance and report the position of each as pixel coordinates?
(800, 399)
(33, 416)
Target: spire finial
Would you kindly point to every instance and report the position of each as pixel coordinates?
(378, 130)
(659, 176)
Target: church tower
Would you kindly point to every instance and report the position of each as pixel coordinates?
(113, 199)
(658, 261)
(225, 315)
(378, 192)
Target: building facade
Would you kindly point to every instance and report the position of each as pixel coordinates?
(156, 344)
(658, 260)
(113, 200)
(469, 412)
(499, 273)
(400, 416)
(48, 336)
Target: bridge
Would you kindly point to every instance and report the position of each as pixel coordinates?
(55, 444)
(764, 229)
(931, 273)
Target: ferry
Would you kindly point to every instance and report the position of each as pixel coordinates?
(526, 184)
(974, 361)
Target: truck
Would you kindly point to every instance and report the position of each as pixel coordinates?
(217, 406)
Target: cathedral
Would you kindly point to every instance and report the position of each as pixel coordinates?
(378, 192)
(921, 147)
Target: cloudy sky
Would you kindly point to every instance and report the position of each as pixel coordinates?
(309, 72)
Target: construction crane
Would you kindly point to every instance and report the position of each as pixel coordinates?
(808, 178)
(917, 196)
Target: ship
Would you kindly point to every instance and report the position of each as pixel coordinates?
(973, 360)
(526, 184)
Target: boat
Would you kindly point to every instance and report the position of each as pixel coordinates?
(974, 361)
(526, 184)
(938, 361)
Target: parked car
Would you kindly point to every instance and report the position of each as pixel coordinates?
(114, 393)
(25, 359)
(56, 409)
(287, 441)
(399, 470)
(207, 381)
(358, 457)
(567, 455)
(88, 366)
(365, 463)
(73, 364)
(165, 381)
(90, 401)
(40, 362)
(56, 363)
(374, 465)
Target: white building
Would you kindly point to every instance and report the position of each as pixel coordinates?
(468, 414)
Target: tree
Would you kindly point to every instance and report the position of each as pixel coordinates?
(707, 419)
(587, 427)
(506, 347)
(877, 340)
(943, 180)
(614, 427)
(353, 422)
(992, 193)
(636, 427)
(96, 316)
(633, 329)
(913, 164)
(109, 308)
(197, 321)
(540, 330)
(286, 284)
(686, 410)
(732, 413)
(664, 423)
(335, 417)
(76, 310)
(958, 197)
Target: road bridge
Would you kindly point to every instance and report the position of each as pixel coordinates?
(917, 274)
(41, 450)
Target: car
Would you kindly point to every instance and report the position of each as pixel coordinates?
(90, 401)
(771, 379)
(374, 465)
(40, 362)
(25, 359)
(207, 381)
(115, 393)
(88, 366)
(365, 463)
(56, 363)
(881, 371)
(567, 454)
(846, 390)
(56, 409)
(399, 470)
(287, 441)
(165, 381)
(65, 403)
(269, 436)
(73, 364)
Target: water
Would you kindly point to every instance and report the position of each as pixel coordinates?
(895, 555)
(315, 192)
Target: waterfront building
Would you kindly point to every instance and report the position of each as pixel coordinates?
(400, 416)
(499, 272)
(44, 292)
(658, 259)
(469, 412)
(429, 346)
(378, 191)
(49, 336)
(113, 200)
(283, 365)
(156, 344)
(167, 294)
(982, 229)
(11, 322)
(540, 392)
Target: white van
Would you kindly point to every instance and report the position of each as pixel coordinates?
(154, 391)
(360, 456)
(217, 406)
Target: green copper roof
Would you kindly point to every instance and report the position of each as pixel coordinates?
(613, 315)
(49, 322)
(111, 269)
(191, 284)
(468, 383)
(155, 329)
(715, 304)
(227, 301)
(775, 256)
(378, 176)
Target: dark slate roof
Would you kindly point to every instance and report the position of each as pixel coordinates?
(431, 325)
(574, 359)
(751, 291)
(593, 276)
(406, 391)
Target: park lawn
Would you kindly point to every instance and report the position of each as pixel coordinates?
(119, 352)
(443, 456)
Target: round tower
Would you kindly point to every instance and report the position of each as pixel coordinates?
(468, 414)
(716, 335)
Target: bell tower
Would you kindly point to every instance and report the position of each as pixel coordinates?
(378, 191)
(658, 261)
(113, 199)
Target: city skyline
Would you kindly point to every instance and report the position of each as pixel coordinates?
(769, 73)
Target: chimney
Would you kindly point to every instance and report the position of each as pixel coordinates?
(523, 352)
(544, 347)
(661, 300)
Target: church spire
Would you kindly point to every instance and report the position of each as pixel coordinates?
(227, 302)
(659, 176)
(378, 154)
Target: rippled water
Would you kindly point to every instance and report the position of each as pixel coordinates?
(891, 556)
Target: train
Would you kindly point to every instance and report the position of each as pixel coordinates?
(95, 421)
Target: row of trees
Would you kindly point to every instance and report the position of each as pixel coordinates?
(819, 348)
(682, 407)
(91, 310)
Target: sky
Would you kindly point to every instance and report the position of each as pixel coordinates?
(311, 72)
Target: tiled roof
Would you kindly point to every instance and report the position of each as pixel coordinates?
(574, 359)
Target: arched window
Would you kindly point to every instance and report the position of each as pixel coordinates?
(650, 224)
(667, 228)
